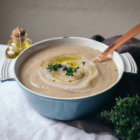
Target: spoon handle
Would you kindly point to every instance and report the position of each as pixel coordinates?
(131, 33)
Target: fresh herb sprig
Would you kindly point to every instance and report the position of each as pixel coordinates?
(69, 70)
(50, 67)
(75, 69)
(83, 63)
(54, 67)
(125, 116)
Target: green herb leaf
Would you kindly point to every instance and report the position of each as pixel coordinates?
(54, 67)
(69, 70)
(75, 69)
(83, 63)
(50, 67)
(125, 117)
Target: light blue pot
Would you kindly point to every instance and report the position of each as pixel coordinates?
(69, 108)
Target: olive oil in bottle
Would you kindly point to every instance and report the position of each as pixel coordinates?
(14, 48)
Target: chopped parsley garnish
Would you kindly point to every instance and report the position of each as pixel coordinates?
(116, 70)
(81, 72)
(83, 63)
(69, 70)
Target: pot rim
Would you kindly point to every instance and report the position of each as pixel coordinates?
(58, 98)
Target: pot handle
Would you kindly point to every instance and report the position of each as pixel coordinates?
(7, 70)
(129, 62)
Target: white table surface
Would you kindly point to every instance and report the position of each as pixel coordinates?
(18, 121)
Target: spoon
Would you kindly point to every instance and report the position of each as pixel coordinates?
(131, 33)
(20, 37)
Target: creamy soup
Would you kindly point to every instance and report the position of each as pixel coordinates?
(67, 71)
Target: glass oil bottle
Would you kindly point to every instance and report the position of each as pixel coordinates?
(17, 43)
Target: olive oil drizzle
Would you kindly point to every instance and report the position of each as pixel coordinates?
(69, 61)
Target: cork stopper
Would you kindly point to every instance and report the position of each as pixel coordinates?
(15, 35)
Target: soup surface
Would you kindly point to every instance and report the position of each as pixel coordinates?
(67, 71)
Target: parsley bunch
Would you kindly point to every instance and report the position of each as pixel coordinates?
(125, 116)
